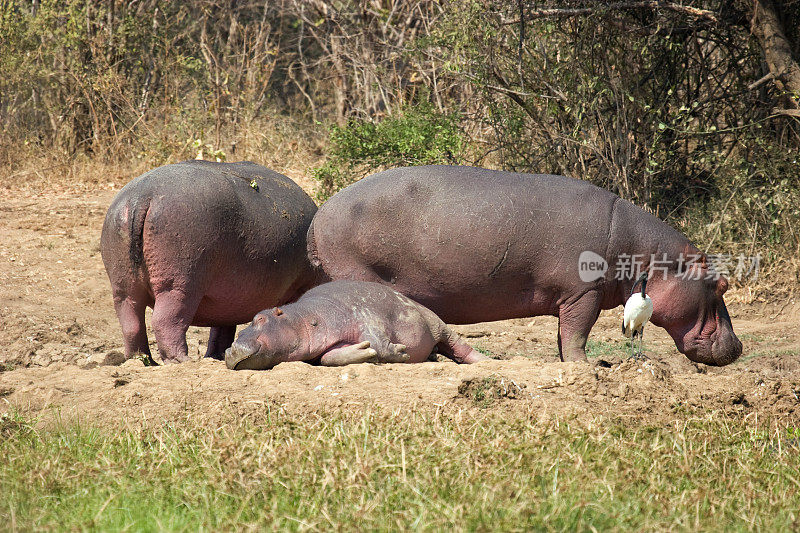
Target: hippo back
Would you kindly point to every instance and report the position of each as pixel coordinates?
(469, 243)
(233, 232)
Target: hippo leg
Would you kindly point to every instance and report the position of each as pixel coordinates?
(575, 321)
(449, 342)
(348, 355)
(456, 349)
(172, 314)
(220, 339)
(131, 317)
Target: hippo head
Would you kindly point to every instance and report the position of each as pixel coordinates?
(689, 305)
(270, 339)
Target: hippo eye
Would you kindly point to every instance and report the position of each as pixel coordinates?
(314, 322)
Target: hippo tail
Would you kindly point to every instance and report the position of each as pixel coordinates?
(319, 274)
(311, 247)
(138, 213)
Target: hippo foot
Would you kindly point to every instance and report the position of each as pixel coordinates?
(217, 356)
(397, 354)
(348, 355)
(174, 360)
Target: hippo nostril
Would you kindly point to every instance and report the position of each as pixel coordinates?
(238, 352)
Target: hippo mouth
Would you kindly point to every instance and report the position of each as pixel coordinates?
(711, 342)
(714, 352)
(241, 356)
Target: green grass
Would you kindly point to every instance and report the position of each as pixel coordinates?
(751, 337)
(606, 349)
(750, 356)
(490, 470)
(755, 354)
(484, 351)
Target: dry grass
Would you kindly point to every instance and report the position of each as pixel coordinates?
(287, 145)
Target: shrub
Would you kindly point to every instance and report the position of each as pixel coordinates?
(417, 136)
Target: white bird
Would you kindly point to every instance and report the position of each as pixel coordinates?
(638, 310)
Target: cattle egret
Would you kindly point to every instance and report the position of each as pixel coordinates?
(638, 310)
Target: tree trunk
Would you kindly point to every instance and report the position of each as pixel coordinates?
(767, 28)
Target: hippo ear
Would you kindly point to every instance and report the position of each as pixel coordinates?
(722, 286)
(703, 261)
(277, 311)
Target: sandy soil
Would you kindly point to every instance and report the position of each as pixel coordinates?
(61, 352)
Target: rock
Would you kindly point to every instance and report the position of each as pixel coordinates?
(476, 334)
(114, 358)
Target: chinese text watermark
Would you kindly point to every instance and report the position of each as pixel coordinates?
(592, 266)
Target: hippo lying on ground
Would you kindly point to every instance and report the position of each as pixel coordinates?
(346, 322)
(478, 245)
(204, 244)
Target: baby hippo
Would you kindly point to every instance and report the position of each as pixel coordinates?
(346, 322)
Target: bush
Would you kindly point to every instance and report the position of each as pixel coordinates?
(417, 136)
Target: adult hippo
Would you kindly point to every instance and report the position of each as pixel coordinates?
(204, 244)
(478, 245)
(345, 322)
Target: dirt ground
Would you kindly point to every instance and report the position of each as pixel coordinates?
(61, 351)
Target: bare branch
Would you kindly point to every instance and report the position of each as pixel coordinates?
(704, 14)
(787, 112)
(761, 81)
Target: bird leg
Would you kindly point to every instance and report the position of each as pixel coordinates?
(641, 342)
(639, 356)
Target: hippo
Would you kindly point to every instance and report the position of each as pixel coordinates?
(345, 322)
(477, 245)
(204, 244)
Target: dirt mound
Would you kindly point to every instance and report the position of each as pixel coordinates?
(484, 391)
